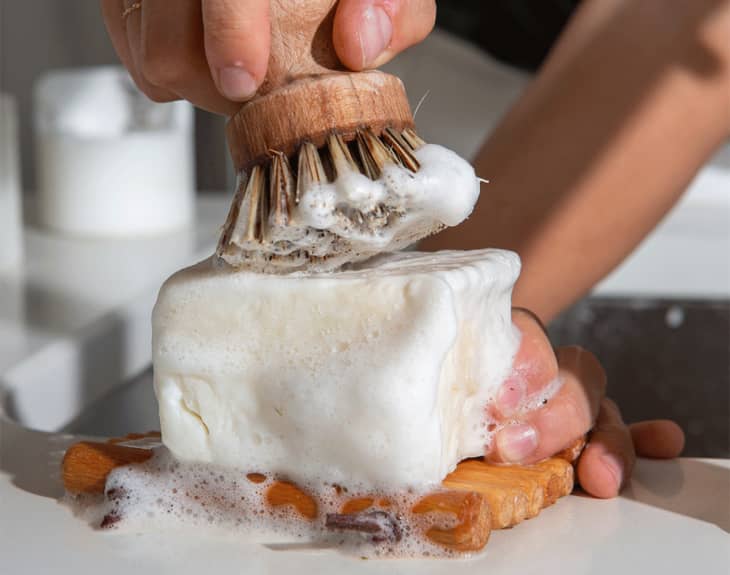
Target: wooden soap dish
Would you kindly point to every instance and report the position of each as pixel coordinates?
(477, 495)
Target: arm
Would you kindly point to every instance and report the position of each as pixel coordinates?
(632, 101)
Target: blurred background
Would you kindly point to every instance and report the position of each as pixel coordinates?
(660, 323)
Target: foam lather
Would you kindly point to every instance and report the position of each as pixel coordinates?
(375, 377)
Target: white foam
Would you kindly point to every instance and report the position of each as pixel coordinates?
(163, 494)
(354, 217)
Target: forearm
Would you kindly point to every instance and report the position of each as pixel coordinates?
(632, 101)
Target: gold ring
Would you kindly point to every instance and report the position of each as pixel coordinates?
(131, 8)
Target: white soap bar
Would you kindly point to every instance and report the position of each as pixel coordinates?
(376, 377)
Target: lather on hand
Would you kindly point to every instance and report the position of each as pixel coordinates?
(527, 436)
(214, 53)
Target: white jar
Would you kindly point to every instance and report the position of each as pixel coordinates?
(11, 227)
(110, 162)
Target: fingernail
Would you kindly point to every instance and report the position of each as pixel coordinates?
(236, 83)
(375, 34)
(511, 395)
(516, 442)
(614, 467)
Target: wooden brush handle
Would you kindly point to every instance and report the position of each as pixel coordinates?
(301, 42)
(307, 93)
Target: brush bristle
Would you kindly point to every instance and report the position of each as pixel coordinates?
(267, 195)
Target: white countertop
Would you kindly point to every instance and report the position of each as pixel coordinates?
(673, 519)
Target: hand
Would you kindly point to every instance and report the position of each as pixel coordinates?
(215, 52)
(527, 433)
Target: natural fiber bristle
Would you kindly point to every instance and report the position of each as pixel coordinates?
(342, 160)
(402, 149)
(412, 139)
(281, 191)
(373, 153)
(253, 206)
(267, 196)
(310, 172)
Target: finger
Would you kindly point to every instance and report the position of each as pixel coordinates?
(237, 42)
(535, 366)
(564, 418)
(127, 41)
(608, 459)
(368, 33)
(173, 53)
(111, 11)
(659, 438)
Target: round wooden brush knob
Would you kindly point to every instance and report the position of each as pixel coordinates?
(307, 93)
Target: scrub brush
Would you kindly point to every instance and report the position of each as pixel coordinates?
(311, 123)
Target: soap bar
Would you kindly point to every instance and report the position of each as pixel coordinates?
(375, 377)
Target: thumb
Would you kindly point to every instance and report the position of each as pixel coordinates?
(369, 33)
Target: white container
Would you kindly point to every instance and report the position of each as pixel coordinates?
(110, 161)
(11, 227)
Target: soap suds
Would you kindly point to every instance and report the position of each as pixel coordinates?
(165, 494)
(354, 218)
